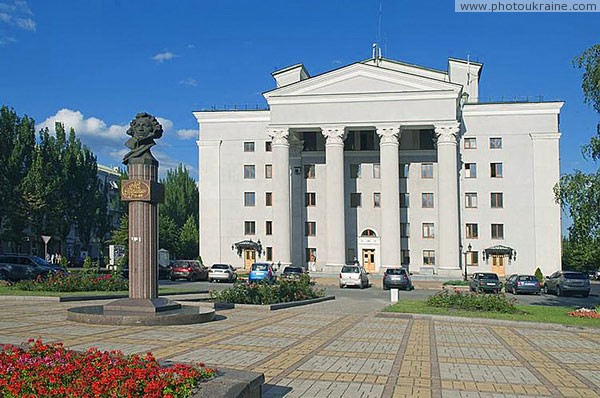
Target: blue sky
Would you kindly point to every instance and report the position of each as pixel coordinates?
(94, 64)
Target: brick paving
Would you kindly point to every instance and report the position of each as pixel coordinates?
(341, 349)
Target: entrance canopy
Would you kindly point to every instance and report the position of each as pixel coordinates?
(247, 245)
(500, 250)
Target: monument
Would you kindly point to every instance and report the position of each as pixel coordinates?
(143, 192)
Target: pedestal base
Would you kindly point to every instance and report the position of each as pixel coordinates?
(141, 306)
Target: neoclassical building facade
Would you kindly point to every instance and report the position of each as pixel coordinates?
(385, 163)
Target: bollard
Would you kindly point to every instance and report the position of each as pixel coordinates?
(394, 295)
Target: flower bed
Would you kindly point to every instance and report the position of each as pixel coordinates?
(75, 282)
(45, 370)
(585, 313)
(457, 299)
(284, 291)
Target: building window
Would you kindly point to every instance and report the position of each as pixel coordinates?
(268, 198)
(355, 199)
(427, 200)
(428, 257)
(404, 230)
(249, 228)
(249, 171)
(355, 171)
(472, 259)
(376, 170)
(497, 200)
(249, 199)
(269, 254)
(248, 146)
(403, 172)
(472, 232)
(497, 231)
(268, 227)
(470, 170)
(309, 171)
(376, 199)
(405, 257)
(470, 143)
(404, 200)
(427, 170)
(496, 170)
(311, 254)
(268, 146)
(309, 140)
(268, 171)
(310, 199)
(471, 199)
(310, 228)
(495, 143)
(428, 230)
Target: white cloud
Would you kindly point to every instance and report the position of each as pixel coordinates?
(185, 134)
(7, 40)
(162, 57)
(189, 82)
(17, 14)
(91, 127)
(26, 23)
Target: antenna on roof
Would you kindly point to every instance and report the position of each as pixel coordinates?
(468, 69)
(376, 54)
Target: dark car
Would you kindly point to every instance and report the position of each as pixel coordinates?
(397, 278)
(518, 283)
(292, 272)
(16, 267)
(565, 282)
(192, 270)
(485, 282)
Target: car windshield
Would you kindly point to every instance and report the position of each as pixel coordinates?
(292, 270)
(529, 278)
(219, 266)
(260, 267)
(41, 261)
(489, 276)
(575, 275)
(395, 271)
(350, 270)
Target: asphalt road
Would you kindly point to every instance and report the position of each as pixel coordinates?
(376, 293)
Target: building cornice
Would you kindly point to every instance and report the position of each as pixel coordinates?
(501, 109)
(232, 116)
(362, 97)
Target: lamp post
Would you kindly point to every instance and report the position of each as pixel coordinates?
(467, 252)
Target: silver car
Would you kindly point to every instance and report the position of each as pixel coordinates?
(354, 275)
(566, 282)
(222, 273)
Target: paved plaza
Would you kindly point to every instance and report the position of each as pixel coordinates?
(341, 348)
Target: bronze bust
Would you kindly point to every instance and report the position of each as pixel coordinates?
(144, 129)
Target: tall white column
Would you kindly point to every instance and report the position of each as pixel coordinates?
(447, 200)
(390, 195)
(281, 196)
(336, 228)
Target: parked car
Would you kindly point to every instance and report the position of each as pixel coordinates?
(354, 275)
(518, 283)
(192, 270)
(16, 267)
(292, 272)
(565, 282)
(485, 282)
(262, 272)
(398, 278)
(222, 272)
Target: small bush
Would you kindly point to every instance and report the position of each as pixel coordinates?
(79, 282)
(284, 291)
(456, 299)
(539, 275)
(456, 283)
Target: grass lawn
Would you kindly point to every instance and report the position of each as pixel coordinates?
(9, 291)
(532, 313)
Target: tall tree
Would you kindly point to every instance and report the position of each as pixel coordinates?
(579, 192)
(188, 239)
(181, 196)
(168, 235)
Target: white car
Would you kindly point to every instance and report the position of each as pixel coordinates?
(354, 275)
(222, 272)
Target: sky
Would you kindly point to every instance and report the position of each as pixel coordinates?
(94, 64)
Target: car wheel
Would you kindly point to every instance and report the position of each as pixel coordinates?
(172, 279)
(342, 286)
(545, 289)
(515, 291)
(585, 295)
(385, 287)
(558, 291)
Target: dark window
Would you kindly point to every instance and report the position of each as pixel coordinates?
(268, 146)
(268, 227)
(310, 141)
(310, 199)
(426, 139)
(355, 199)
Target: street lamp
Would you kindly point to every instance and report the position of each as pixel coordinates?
(467, 252)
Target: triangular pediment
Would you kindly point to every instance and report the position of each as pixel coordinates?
(360, 79)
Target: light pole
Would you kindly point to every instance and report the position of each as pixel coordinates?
(467, 252)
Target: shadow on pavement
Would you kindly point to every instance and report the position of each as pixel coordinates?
(275, 391)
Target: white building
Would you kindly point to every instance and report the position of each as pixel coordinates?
(392, 163)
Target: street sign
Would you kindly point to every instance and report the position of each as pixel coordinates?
(46, 239)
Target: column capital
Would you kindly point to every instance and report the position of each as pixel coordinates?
(447, 133)
(388, 133)
(279, 135)
(334, 134)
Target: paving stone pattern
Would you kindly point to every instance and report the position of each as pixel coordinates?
(341, 349)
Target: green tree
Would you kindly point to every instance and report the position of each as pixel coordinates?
(168, 235)
(181, 196)
(579, 192)
(188, 239)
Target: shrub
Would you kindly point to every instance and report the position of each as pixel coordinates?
(75, 282)
(284, 291)
(473, 301)
(50, 370)
(539, 275)
(456, 283)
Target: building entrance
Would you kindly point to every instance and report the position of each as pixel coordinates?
(369, 259)
(249, 258)
(498, 264)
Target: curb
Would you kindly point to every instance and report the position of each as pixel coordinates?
(232, 383)
(271, 307)
(487, 321)
(65, 299)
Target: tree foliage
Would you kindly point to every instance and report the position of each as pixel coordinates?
(188, 239)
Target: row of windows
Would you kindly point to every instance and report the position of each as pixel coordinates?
(471, 143)
(496, 200)
(471, 170)
(249, 146)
